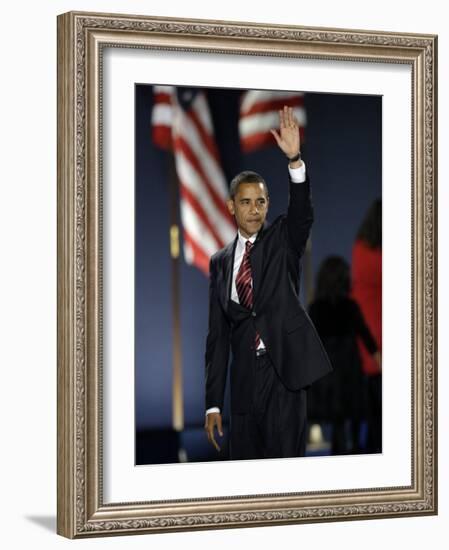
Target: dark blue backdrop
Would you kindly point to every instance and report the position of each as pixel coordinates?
(342, 152)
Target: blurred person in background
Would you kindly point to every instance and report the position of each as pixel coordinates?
(338, 398)
(367, 292)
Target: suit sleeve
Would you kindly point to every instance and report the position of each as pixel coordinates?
(299, 218)
(217, 345)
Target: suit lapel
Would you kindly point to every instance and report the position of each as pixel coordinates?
(256, 260)
(228, 262)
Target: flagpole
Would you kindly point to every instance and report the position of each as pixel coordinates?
(177, 384)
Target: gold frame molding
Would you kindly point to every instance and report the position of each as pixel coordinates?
(81, 38)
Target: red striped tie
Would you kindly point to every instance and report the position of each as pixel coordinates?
(243, 283)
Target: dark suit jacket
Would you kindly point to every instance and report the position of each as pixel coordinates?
(291, 340)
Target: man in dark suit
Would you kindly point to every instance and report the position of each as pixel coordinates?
(255, 312)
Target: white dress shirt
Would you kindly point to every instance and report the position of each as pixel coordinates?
(297, 175)
(238, 258)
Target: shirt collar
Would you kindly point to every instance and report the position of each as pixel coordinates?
(242, 239)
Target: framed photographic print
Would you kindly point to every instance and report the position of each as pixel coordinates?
(155, 118)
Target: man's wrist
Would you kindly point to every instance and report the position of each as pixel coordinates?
(294, 158)
(296, 164)
(297, 173)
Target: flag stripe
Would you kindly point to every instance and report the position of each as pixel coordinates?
(184, 152)
(183, 127)
(202, 113)
(163, 115)
(195, 252)
(251, 97)
(162, 89)
(215, 210)
(197, 229)
(195, 205)
(275, 104)
(206, 138)
(263, 122)
(162, 137)
(259, 114)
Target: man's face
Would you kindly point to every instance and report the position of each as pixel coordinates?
(250, 207)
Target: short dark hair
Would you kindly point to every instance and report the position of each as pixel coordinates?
(247, 176)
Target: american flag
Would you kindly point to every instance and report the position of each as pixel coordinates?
(259, 113)
(181, 122)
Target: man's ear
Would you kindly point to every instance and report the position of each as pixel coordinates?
(230, 205)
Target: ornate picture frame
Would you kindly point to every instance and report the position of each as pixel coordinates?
(82, 40)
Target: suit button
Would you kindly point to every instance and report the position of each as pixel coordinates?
(254, 314)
